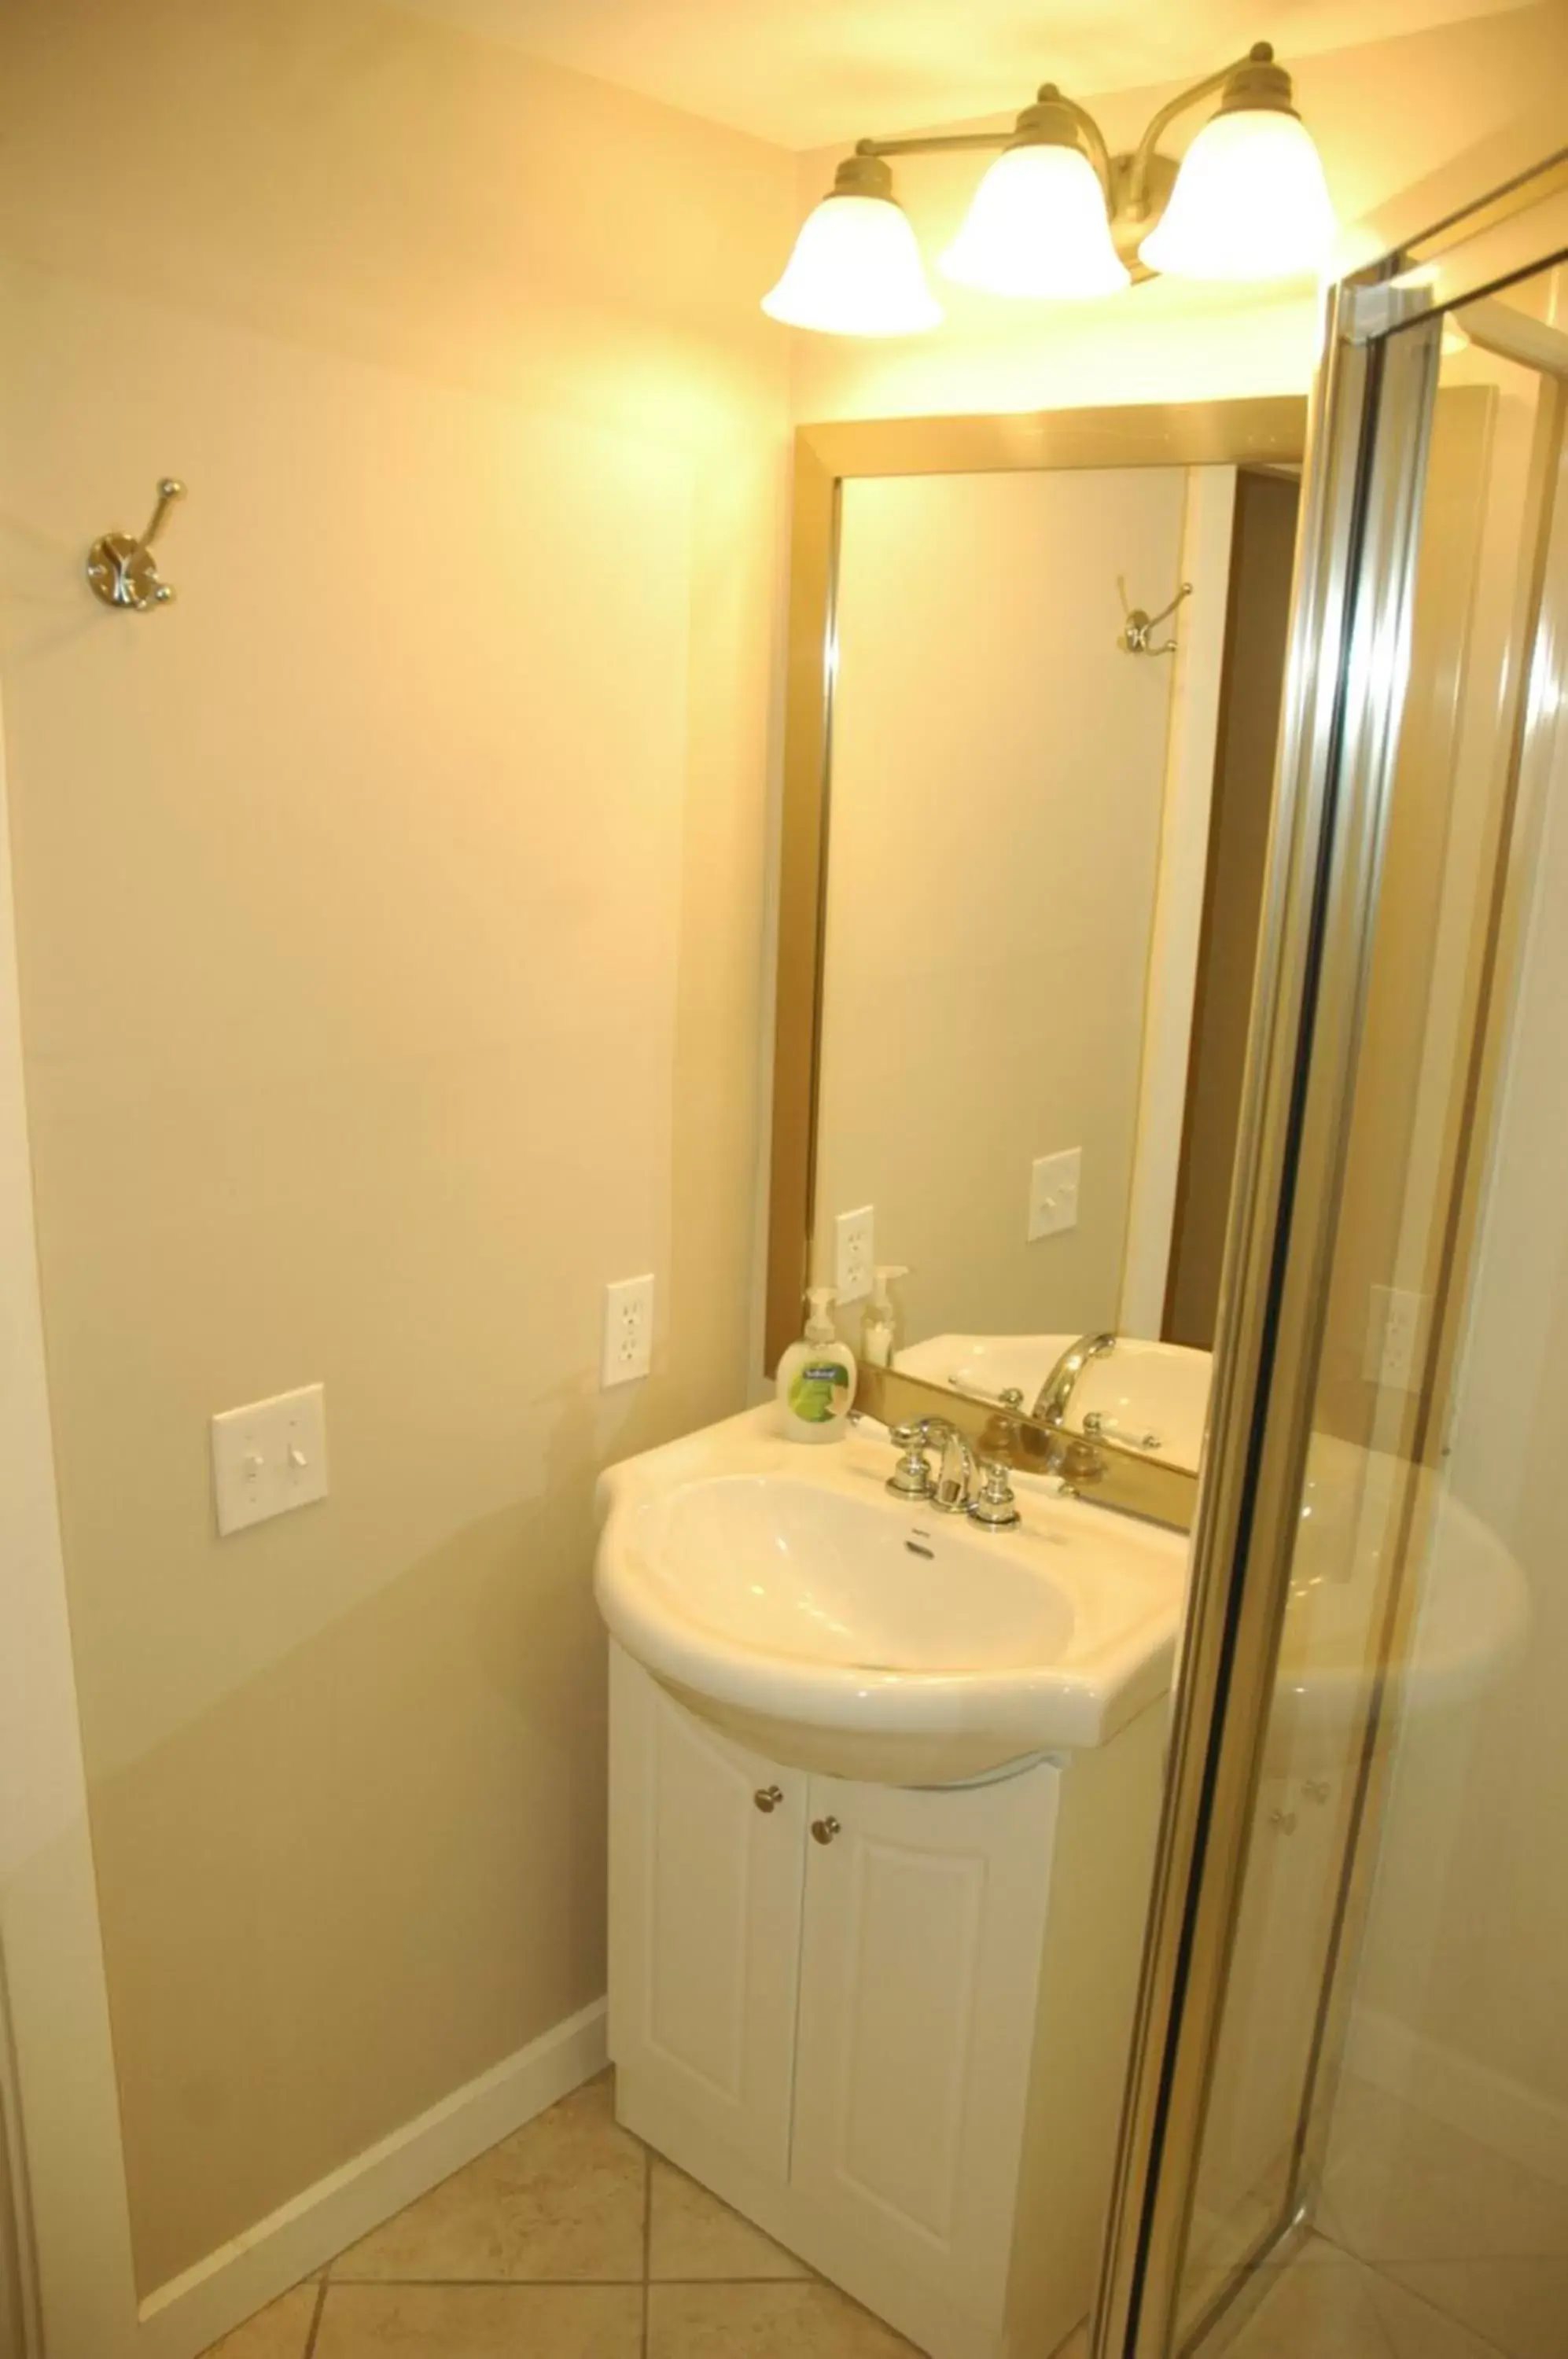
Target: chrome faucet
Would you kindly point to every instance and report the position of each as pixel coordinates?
(992, 1505)
(1056, 1393)
(953, 1486)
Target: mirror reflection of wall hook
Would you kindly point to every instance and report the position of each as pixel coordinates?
(122, 570)
(1133, 638)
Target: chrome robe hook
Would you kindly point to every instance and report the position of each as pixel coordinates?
(122, 570)
(1133, 638)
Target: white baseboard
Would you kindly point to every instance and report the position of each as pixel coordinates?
(1487, 2105)
(194, 2309)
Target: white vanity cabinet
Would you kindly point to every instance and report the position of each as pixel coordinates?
(707, 1890)
(888, 2024)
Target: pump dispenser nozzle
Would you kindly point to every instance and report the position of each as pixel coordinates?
(818, 1315)
(879, 1323)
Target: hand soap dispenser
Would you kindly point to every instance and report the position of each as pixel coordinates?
(816, 1377)
(879, 1323)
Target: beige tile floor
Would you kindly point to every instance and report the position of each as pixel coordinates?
(1325, 2304)
(571, 2241)
(567, 2240)
(1432, 2246)
(1472, 2233)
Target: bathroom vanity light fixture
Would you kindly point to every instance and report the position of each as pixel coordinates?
(856, 268)
(1056, 216)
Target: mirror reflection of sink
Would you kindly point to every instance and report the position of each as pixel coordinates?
(1141, 1388)
(1471, 1605)
(785, 1596)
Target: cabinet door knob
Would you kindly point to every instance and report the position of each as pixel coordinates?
(825, 1830)
(767, 1797)
(1284, 1820)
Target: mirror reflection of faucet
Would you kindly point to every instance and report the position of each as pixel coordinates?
(1055, 1394)
(1111, 1429)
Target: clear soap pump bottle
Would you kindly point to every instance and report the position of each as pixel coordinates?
(879, 1323)
(816, 1377)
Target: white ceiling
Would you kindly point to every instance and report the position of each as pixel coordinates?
(809, 73)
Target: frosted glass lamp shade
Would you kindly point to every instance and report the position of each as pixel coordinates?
(1038, 227)
(1250, 202)
(856, 271)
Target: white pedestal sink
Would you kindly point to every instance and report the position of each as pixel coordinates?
(788, 1598)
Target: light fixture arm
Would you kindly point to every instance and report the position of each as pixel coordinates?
(1048, 100)
(1127, 183)
(935, 144)
(1136, 202)
(1052, 101)
(1247, 200)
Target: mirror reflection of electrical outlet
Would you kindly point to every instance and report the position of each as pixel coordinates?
(855, 1254)
(1053, 1192)
(1396, 1338)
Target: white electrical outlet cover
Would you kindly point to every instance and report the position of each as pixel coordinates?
(855, 1254)
(628, 1332)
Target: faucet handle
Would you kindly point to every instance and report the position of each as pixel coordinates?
(994, 1507)
(911, 1478)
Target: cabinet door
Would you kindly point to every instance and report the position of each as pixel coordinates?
(705, 1892)
(925, 1914)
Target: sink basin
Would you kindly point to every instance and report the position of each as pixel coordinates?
(784, 1594)
(1141, 1387)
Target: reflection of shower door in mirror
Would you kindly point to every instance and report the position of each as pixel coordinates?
(1348, 2125)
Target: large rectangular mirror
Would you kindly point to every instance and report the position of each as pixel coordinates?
(1024, 838)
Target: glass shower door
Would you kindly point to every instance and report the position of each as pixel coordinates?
(1348, 2126)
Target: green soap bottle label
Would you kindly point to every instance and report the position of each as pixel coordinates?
(819, 1392)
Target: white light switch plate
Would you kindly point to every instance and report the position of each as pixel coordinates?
(269, 1456)
(628, 1331)
(1053, 1192)
(855, 1254)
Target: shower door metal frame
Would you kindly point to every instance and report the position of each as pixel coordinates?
(1354, 592)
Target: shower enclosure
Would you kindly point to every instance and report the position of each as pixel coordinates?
(1346, 2130)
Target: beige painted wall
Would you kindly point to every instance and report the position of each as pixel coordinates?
(998, 774)
(1385, 115)
(389, 914)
